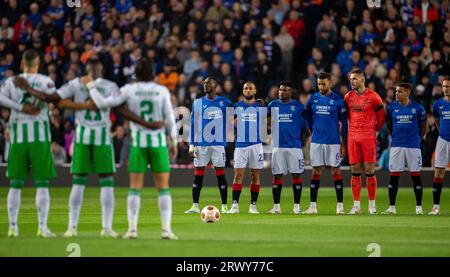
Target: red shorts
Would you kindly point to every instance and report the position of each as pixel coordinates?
(362, 151)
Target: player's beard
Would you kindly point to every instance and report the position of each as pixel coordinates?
(249, 96)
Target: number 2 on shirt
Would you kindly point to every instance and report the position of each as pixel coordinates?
(146, 110)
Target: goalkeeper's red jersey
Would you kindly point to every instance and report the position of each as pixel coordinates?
(365, 114)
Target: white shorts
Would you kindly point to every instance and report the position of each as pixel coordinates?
(325, 154)
(250, 156)
(205, 154)
(286, 160)
(441, 153)
(401, 157)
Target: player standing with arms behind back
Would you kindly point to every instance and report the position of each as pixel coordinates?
(441, 111)
(326, 109)
(365, 117)
(406, 121)
(249, 150)
(208, 140)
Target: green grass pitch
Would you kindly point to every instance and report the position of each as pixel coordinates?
(243, 235)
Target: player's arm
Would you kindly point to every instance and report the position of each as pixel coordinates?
(423, 128)
(344, 130)
(389, 125)
(71, 105)
(423, 122)
(52, 97)
(192, 150)
(129, 115)
(436, 115)
(308, 114)
(269, 119)
(23, 85)
(379, 111)
(5, 100)
(25, 108)
(389, 120)
(305, 133)
(105, 102)
(169, 118)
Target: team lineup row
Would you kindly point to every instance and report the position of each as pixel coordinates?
(147, 105)
(356, 119)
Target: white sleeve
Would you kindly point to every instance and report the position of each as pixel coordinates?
(5, 94)
(50, 86)
(114, 100)
(66, 91)
(169, 116)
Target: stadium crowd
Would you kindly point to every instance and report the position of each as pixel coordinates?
(236, 41)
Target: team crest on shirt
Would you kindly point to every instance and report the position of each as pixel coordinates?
(331, 102)
(221, 103)
(413, 110)
(292, 108)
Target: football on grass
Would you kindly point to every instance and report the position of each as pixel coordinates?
(210, 214)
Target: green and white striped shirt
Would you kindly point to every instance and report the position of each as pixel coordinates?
(152, 103)
(92, 127)
(29, 128)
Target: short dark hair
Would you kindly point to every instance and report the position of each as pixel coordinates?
(250, 82)
(92, 64)
(408, 86)
(212, 77)
(357, 71)
(144, 70)
(447, 78)
(29, 56)
(324, 75)
(93, 61)
(288, 84)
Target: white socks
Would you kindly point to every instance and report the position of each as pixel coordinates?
(13, 207)
(165, 209)
(372, 204)
(133, 204)
(42, 205)
(75, 202)
(357, 204)
(107, 200)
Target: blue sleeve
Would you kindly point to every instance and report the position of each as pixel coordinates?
(229, 103)
(269, 107)
(388, 112)
(308, 115)
(343, 119)
(192, 123)
(422, 114)
(436, 109)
